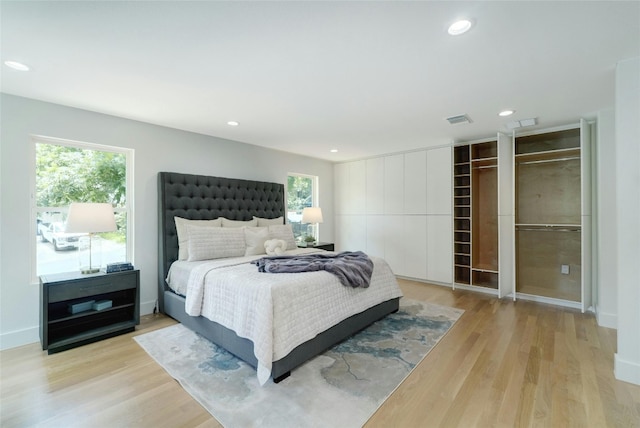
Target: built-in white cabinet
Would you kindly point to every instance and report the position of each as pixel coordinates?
(374, 198)
(439, 182)
(439, 249)
(415, 182)
(393, 184)
(398, 207)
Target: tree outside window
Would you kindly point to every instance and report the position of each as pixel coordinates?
(65, 173)
(301, 193)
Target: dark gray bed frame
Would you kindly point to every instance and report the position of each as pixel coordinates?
(199, 197)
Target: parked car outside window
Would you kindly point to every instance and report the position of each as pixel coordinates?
(60, 239)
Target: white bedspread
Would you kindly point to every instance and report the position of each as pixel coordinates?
(277, 312)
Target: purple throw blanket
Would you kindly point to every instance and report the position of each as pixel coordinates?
(351, 268)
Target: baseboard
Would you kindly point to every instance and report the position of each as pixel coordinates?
(13, 339)
(146, 308)
(606, 319)
(626, 371)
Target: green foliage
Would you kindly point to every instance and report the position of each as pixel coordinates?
(69, 174)
(298, 192)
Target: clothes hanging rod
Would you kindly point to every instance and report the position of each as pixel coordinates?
(485, 167)
(546, 229)
(549, 160)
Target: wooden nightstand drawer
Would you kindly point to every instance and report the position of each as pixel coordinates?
(90, 287)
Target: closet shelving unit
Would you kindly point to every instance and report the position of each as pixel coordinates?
(462, 214)
(549, 215)
(476, 215)
(522, 215)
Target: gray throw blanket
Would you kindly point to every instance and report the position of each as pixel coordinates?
(351, 268)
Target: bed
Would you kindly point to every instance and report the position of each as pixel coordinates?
(197, 197)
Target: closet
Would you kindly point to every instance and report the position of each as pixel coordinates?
(522, 215)
(476, 214)
(552, 216)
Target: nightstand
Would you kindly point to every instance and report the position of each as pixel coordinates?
(327, 246)
(67, 317)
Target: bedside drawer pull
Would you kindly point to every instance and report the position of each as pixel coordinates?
(90, 288)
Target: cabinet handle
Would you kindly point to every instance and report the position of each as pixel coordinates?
(88, 288)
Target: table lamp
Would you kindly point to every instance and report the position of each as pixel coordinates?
(312, 215)
(90, 218)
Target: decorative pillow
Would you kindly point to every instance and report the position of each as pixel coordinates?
(284, 232)
(269, 221)
(275, 247)
(255, 238)
(183, 235)
(239, 223)
(207, 243)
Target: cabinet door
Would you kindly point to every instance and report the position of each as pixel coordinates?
(352, 233)
(415, 246)
(439, 249)
(394, 184)
(357, 187)
(375, 236)
(415, 182)
(341, 187)
(394, 243)
(439, 181)
(375, 186)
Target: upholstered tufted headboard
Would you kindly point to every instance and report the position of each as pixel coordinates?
(200, 197)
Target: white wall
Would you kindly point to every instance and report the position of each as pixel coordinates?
(627, 359)
(156, 149)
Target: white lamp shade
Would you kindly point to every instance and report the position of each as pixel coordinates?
(90, 218)
(312, 215)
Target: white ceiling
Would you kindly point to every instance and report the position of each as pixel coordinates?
(367, 78)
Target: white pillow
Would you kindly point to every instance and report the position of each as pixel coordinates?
(254, 238)
(208, 243)
(239, 223)
(285, 233)
(183, 235)
(269, 221)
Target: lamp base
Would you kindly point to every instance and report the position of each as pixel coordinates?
(85, 271)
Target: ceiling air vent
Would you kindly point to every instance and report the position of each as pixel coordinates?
(522, 123)
(462, 118)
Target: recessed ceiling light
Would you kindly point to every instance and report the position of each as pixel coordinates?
(334, 150)
(459, 27)
(504, 113)
(233, 123)
(17, 65)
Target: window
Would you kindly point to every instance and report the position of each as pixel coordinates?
(66, 172)
(302, 191)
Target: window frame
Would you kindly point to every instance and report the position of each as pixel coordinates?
(34, 209)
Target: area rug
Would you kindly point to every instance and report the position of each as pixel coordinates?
(342, 387)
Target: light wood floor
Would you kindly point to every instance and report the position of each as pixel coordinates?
(503, 364)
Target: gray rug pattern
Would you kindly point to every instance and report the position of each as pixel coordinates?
(342, 387)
